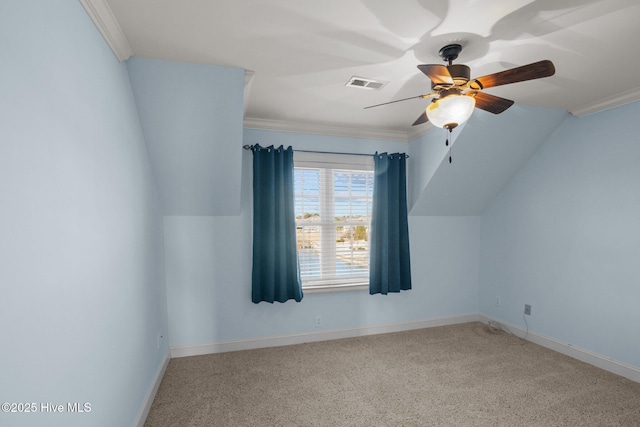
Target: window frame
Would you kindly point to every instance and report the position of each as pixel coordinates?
(340, 162)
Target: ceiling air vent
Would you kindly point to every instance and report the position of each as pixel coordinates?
(363, 83)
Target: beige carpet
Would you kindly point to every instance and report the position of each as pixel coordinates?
(461, 375)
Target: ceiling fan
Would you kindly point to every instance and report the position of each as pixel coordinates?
(455, 94)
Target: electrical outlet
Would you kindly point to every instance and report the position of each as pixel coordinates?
(527, 309)
(318, 321)
(498, 301)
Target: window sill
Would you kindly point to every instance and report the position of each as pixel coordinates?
(335, 288)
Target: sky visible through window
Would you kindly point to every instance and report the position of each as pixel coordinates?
(352, 192)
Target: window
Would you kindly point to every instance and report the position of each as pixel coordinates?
(333, 199)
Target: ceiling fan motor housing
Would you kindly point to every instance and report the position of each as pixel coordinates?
(460, 73)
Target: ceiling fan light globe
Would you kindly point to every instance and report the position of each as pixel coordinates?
(450, 111)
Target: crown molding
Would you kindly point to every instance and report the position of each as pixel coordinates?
(102, 16)
(325, 129)
(418, 131)
(606, 103)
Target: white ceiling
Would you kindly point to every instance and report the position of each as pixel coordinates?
(303, 52)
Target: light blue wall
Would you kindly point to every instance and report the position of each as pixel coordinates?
(208, 265)
(81, 276)
(191, 115)
(564, 237)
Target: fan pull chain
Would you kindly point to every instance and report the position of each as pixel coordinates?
(449, 137)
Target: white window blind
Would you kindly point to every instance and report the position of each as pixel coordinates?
(333, 197)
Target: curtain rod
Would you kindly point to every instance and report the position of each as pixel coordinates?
(251, 147)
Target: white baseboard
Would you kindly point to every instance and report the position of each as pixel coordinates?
(280, 340)
(603, 362)
(151, 394)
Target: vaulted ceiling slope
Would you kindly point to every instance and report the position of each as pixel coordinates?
(486, 154)
(191, 116)
(301, 53)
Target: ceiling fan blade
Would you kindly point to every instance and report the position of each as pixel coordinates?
(422, 119)
(439, 74)
(532, 71)
(491, 103)
(428, 95)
